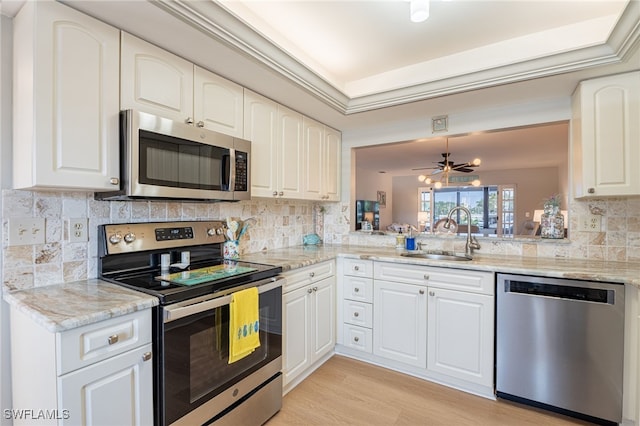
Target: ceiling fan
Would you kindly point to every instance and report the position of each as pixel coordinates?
(446, 165)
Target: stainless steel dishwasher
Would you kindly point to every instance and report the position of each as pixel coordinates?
(559, 345)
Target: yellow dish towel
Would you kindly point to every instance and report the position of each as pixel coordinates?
(244, 324)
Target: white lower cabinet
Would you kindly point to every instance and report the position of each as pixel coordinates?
(97, 374)
(460, 335)
(432, 322)
(400, 322)
(309, 312)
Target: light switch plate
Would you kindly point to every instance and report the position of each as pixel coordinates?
(26, 231)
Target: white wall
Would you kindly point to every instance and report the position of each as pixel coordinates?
(5, 161)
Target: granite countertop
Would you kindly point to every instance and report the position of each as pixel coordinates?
(70, 305)
(585, 269)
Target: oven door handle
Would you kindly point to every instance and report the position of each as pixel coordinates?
(177, 311)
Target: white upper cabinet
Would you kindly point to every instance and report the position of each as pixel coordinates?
(605, 136)
(290, 153)
(218, 103)
(322, 147)
(66, 81)
(155, 81)
(161, 83)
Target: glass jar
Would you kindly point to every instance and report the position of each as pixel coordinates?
(552, 222)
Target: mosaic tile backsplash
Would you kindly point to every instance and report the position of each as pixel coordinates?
(280, 223)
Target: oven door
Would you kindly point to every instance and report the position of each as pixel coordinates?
(197, 381)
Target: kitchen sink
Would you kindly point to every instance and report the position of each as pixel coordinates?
(437, 256)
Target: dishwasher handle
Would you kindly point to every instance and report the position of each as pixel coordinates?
(559, 291)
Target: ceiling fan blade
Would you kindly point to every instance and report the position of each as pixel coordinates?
(464, 170)
(437, 171)
(425, 168)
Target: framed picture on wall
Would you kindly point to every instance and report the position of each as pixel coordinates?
(382, 198)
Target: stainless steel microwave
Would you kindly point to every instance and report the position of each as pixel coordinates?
(165, 159)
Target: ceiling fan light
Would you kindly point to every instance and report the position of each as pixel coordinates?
(419, 10)
(422, 178)
(428, 181)
(475, 182)
(438, 185)
(476, 162)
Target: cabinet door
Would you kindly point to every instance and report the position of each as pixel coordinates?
(260, 127)
(117, 391)
(606, 136)
(313, 153)
(400, 322)
(324, 310)
(331, 173)
(297, 329)
(218, 103)
(65, 99)
(290, 149)
(460, 330)
(155, 81)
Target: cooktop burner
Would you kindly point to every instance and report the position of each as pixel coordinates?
(131, 255)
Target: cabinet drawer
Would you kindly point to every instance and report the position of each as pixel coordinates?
(359, 338)
(91, 343)
(358, 267)
(455, 279)
(307, 275)
(358, 313)
(359, 289)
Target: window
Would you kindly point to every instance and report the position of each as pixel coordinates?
(487, 205)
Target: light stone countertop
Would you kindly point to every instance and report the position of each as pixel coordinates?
(66, 306)
(70, 305)
(584, 269)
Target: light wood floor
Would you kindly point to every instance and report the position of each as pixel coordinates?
(348, 392)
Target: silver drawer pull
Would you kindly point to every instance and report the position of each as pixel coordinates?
(421, 291)
(113, 339)
(146, 356)
(432, 293)
(355, 314)
(312, 274)
(426, 277)
(310, 291)
(356, 339)
(315, 289)
(356, 268)
(356, 290)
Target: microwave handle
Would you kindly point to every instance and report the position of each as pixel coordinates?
(172, 313)
(232, 170)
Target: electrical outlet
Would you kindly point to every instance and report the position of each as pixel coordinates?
(26, 231)
(590, 223)
(78, 230)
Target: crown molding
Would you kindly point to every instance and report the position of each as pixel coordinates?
(218, 23)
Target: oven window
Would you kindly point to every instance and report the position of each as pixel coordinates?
(169, 161)
(196, 354)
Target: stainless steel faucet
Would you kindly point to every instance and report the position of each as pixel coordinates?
(472, 243)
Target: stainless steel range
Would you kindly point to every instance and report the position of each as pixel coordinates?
(181, 264)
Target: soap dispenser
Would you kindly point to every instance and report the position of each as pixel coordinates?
(400, 240)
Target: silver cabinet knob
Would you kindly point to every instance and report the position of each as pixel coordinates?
(310, 291)
(146, 356)
(200, 124)
(432, 293)
(426, 277)
(275, 193)
(115, 238)
(129, 237)
(421, 291)
(356, 268)
(113, 339)
(315, 289)
(280, 194)
(591, 190)
(356, 290)
(356, 339)
(189, 120)
(356, 314)
(312, 274)
(114, 181)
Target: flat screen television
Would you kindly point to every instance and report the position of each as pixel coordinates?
(369, 211)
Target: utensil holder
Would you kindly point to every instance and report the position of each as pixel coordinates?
(230, 249)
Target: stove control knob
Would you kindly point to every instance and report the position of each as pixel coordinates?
(220, 231)
(115, 238)
(129, 237)
(211, 232)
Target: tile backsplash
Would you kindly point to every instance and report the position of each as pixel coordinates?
(280, 223)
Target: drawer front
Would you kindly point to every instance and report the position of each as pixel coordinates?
(402, 273)
(310, 274)
(359, 338)
(358, 313)
(450, 278)
(358, 289)
(94, 342)
(358, 267)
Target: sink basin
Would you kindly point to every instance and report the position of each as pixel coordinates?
(437, 256)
